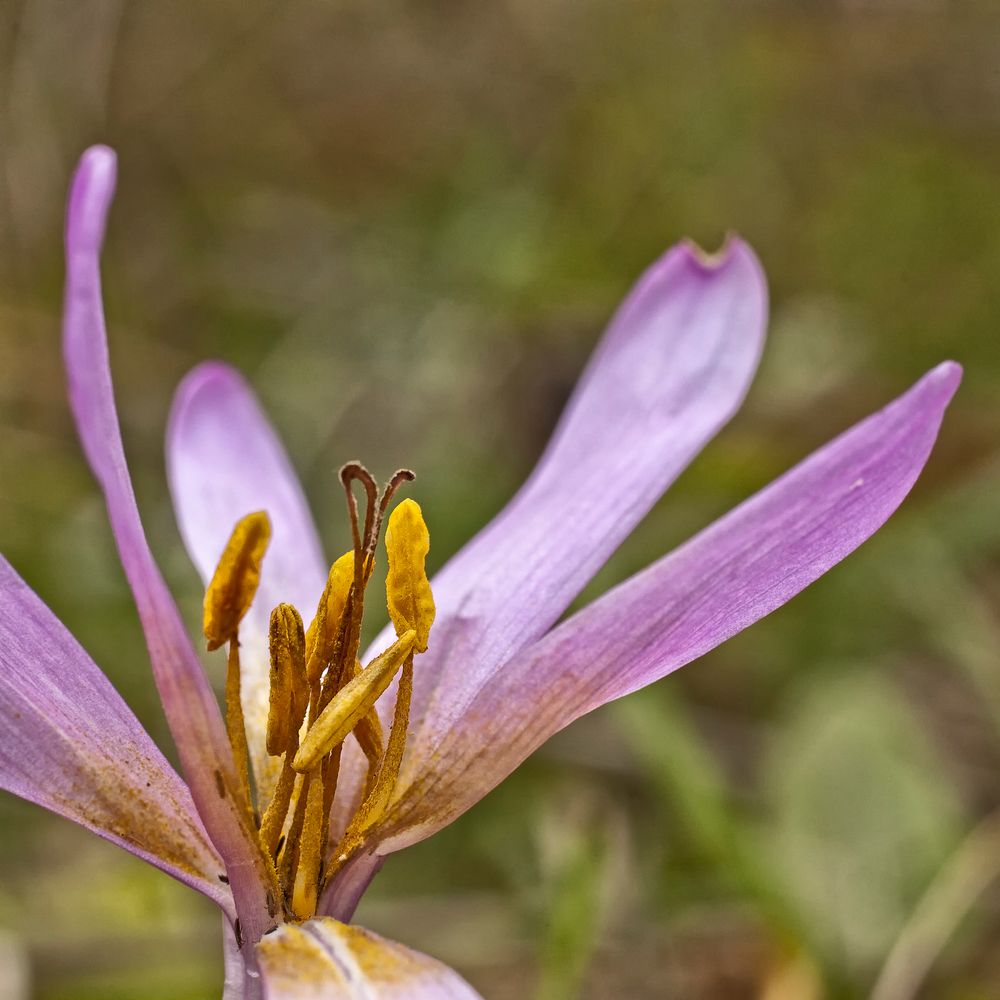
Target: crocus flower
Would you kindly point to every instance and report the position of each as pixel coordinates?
(321, 768)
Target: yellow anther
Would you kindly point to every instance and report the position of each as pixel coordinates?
(352, 703)
(325, 626)
(408, 592)
(368, 732)
(317, 685)
(289, 688)
(234, 584)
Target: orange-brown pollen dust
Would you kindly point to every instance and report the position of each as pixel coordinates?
(319, 691)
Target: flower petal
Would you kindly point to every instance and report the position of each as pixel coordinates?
(73, 746)
(188, 701)
(324, 959)
(672, 368)
(234, 986)
(735, 572)
(342, 893)
(224, 461)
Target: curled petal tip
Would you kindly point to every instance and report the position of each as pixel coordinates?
(714, 260)
(90, 198)
(735, 256)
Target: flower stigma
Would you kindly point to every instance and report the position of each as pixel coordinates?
(319, 693)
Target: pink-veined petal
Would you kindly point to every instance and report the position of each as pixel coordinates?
(236, 985)
(672, 368)
(324, 959)
(738, 570)
(72, 745)
(188, 701)
(225, 461)
(341, 895)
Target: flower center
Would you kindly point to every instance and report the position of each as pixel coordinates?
(319, 691)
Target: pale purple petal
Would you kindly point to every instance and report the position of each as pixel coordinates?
(72, 745)
(672, 368)
(324, 959)
(341, 895)
(237, 984)
(735, 572)
(188, 701)
(225, 461)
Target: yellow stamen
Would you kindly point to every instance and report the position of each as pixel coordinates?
(368, 731)
(289, 853)
(352, 703)
(325, 628)
(411, 606)
(408, 592)
(289, 688)
(331, 778)
(306, 886)
(235, 726)
(379, 790)
(274, 816)
(234, 584)
(319, 692)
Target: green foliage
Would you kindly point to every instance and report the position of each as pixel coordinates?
(860, 816)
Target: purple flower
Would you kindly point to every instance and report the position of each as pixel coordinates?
(499, 676)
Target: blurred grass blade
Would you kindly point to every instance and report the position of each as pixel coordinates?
(689, 781)
(968, 873)
(579, 861)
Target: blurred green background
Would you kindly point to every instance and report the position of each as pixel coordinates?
(408, 222)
